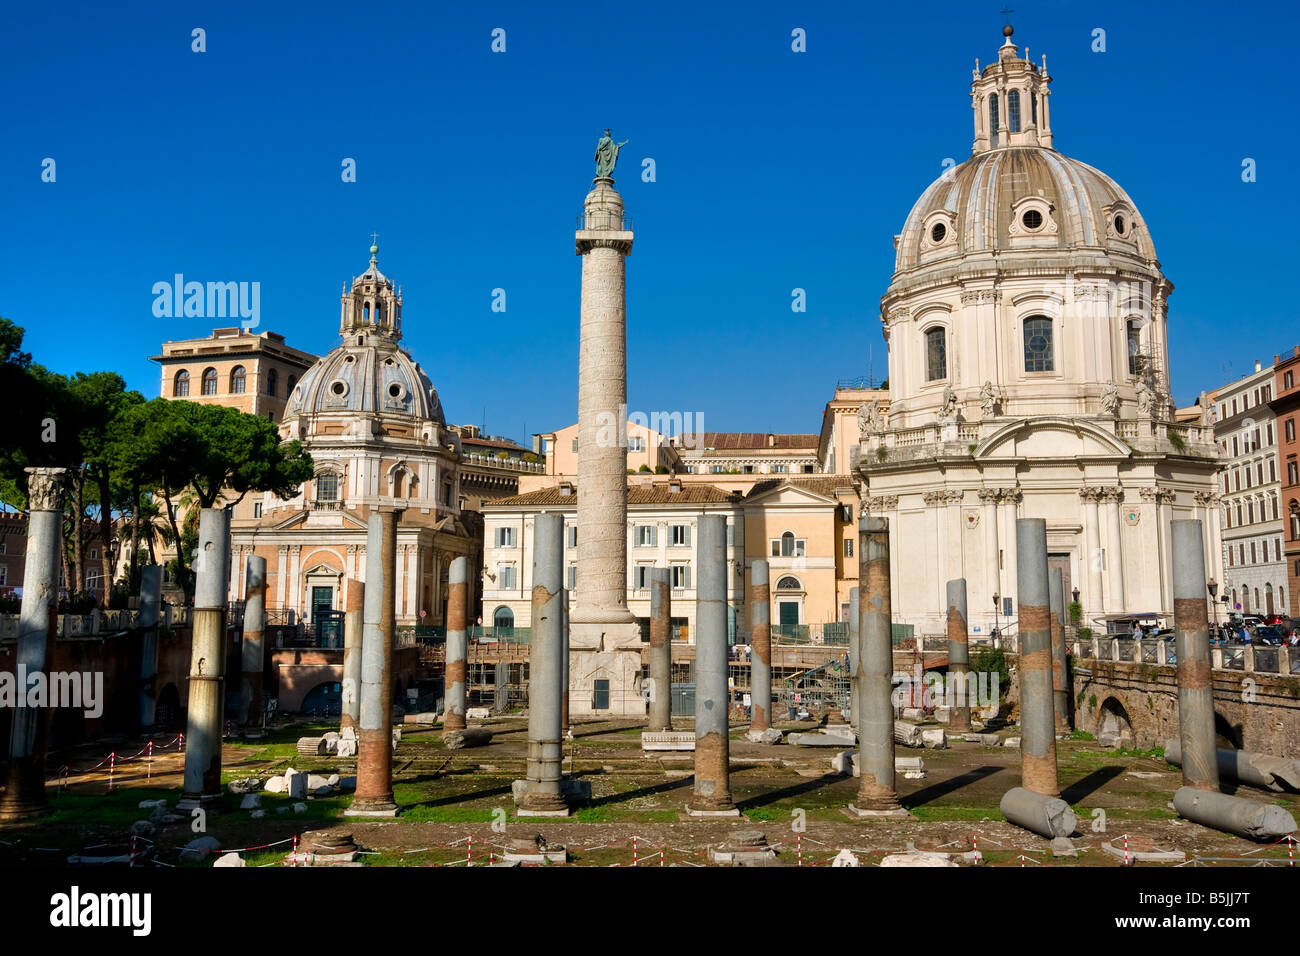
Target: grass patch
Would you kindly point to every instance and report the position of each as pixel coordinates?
(957, 813)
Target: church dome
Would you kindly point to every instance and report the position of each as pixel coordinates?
(376, 377)
(1022, 198)
(369, 373)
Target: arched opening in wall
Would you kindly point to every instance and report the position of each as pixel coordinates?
(1013, 111)
(1225, 734)
(1113, 726)
(503, 620)
(272, 382)
(399, 484)
(209, 381)
(167, 711)
(324, 700)
(181, 384)
(993, 119)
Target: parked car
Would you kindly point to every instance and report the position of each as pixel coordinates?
(1272, 636)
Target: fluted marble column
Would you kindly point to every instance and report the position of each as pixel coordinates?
(1092, 603)
(1110, 503)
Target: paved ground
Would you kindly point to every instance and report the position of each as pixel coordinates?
(451, 796)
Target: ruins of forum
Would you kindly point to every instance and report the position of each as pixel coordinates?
(977, 689)
(686, 427)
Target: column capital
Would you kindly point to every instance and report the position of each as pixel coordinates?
(1114, 493)
(45, 488)
(1090, 495)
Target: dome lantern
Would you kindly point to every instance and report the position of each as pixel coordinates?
(1009, 100)
(371, 307)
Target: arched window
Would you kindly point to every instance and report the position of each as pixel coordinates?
(1013, 111)
(1133, 332)
(993, 119)
(1295, 522)
(272, 380)
(1038, 345)
(504, 618)
(936, 354)
(787, 544)
(237, 378)
(327, 486)
(181, 384)
(788, 583)
(288, 388)
(209, 381)
(365, 312)
(1033, 108)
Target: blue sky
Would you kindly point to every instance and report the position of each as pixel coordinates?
(774, 170)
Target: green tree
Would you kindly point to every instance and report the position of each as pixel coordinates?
(219, 454)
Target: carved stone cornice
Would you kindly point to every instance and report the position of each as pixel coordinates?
(622, 245)
(1091, 293)
(45, 488)
(978, 296)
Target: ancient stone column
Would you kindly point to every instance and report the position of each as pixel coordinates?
(353, 632)
(875, 666)
(541, 793)
(1037, 712)
(1060, 689)
(760, 657)
(1192, 646)
(604, 634)
(374, 796)
(958, 656)
(147, 623)
(661, 651)
(25, 787)
(252, 648)
(712, 793)
(457, 644)
(855, 652)
(207, 678)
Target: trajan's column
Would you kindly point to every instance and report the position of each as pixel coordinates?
(604, 638)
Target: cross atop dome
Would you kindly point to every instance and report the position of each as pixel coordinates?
(1009, 99)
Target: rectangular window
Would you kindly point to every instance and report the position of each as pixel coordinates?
(505, 537)
(716, 469)
(780, 469)
(731, 534)
(681, 576)
(1272, 470)
(1268, 430)
(848, 547)
(681, 534)
(1234, 409)
(808, 469)
(573, 535)
(1231, 563)
(4, 574)
(1264, 549)
(575, 446)
(1134, 348)
(1290, 429)
(1252, 552)
(636, 444)
(1291, 475)
(645, 536)
(1039, 356)
(573, 577)
(1235, 451)
(257, 509)
(600, 695)
(776, 548)
(641, 576)
(1286, 380)
(936, 354)
(94, 554)
(747, 469)
(1259, 473)
(506, 577)
(4, 547)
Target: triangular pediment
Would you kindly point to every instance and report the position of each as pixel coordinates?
(787, 494)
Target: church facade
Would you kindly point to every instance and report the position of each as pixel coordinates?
(1028, 377)
(371, 419)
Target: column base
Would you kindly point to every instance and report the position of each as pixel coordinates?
(708, 812)
(383, 810)
(605, 651)
(192, 802)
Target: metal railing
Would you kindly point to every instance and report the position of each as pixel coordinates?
(603, 222)
(1247, 658)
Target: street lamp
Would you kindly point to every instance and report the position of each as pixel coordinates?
(996, 629)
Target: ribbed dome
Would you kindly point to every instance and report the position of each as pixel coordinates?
(376, 377)
(1021, 198)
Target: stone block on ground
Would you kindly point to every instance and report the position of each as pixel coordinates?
(477, 713)
(312, 746)
(769, 736)
(295, 784)
(300, 808)
(347, 747)
(909, 735)
(916, 859)
(246, 785)
(274, 785)
(817, 740)
(1012, 743)
(913, 713)
(251, 801)
(469, 737)
(911, 768)
(845, 858)
(935, 739)
(199, 849)
(230, 859)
